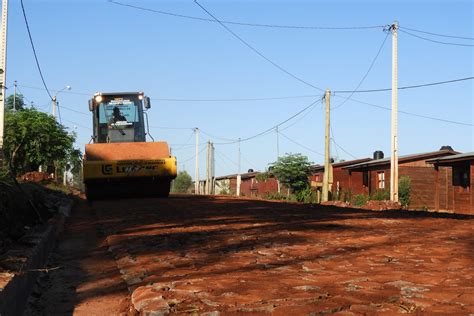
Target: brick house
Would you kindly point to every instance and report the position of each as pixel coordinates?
(340, 180)
(454, 177)
(371, 176)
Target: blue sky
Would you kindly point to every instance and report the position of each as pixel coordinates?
(99, 46)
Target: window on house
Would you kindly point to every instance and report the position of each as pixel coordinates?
(365, 178)
(461, 176)
(381, 180)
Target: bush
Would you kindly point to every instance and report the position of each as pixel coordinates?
(275, 196)
(307, 195)
(380, 195)
(346, 195)
(360, 199)
(404, 188)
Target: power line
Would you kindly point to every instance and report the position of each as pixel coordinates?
(75, 111)
(436, 34)
(412, 114)
(257, 51)
(301, 145)
(435, 41)
(298, 120)
(202, 100)
(406, 87)
(169, 127)
(66, 91)
(217, 137)
(271, 128)
(334, 141)
(227, 158)
(185, 143)
(340, 147)
(235, 99)
(366, 73)
(248, 24)
(189, 159)
(24, 97)
(34, 50)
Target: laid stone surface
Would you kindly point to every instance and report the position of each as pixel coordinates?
(220, 256)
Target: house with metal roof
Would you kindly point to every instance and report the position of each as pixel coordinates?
(459, 197)
(374, 175)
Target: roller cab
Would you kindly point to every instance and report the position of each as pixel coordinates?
(120, 163)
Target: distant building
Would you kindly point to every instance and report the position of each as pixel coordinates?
(453, 187)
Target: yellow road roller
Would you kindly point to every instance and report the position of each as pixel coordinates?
(119, 162)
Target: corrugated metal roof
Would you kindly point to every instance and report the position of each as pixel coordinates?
(401, 158)
(341, 164)
(458, 157)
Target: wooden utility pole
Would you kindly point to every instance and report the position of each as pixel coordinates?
(208, 168)
(212, 170)
(239, 178)
(325, 195)
(3, 73)
(394, 136)
(196, 171)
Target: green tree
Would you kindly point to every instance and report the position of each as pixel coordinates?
(292, 170)
(182, 182)
(34, 138)
(19, 102)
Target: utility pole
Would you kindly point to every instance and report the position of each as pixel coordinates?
(239, 178)
(54, 105)
(3, 73)
(208, 168)
(14, 96)
(394, 138)
(213, 169)
(278, 142)
(278, 156)
(325, 195)
(196, 173)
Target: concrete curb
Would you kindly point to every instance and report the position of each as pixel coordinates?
(27, 259)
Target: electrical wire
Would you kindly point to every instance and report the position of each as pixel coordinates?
(366, 73)
(24, 97)
(338, 146)
(436, 34)
(411, 113)
(189, 159)
(170, 127)
(75, 111)
(406, 87)
(271, 128)
(185, 143)
(202, 100)
(66, 91)
(301, 145)
(228, 159)
(248, 24)
(217, 137)
(299, 119)
(435, 41)
(34, 50)
(257, 51)
(236, 99)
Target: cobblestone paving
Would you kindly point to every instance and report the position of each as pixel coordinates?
(214, 256)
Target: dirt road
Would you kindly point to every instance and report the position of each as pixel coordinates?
(198, 255)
